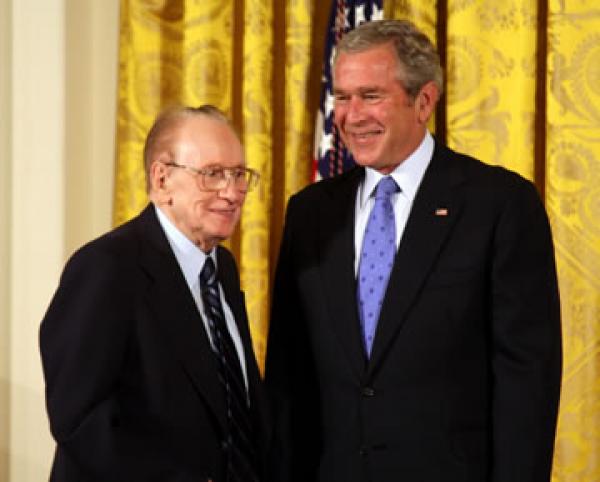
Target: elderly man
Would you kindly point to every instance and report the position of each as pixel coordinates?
(146, 350)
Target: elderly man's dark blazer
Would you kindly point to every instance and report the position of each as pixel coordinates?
(464, 377)
(131, 382)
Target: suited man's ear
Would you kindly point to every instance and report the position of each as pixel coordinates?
(426, 101)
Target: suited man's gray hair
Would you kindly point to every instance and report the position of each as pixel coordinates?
(418, 60)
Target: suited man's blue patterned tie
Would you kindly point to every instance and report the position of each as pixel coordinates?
(240, 442)
(376, 259)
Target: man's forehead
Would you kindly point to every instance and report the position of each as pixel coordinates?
(364, 64)
(383, 49)
(361, 89)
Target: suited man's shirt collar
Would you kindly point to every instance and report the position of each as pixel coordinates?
(408, 174)
(190, 257)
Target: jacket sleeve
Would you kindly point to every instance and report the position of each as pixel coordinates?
(290, 374)
(526, 340)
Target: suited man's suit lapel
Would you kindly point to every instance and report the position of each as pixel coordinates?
(176, 312)
(435, 210)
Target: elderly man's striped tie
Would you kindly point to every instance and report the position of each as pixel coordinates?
(240, 442)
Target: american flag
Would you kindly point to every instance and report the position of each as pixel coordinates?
(330, 155)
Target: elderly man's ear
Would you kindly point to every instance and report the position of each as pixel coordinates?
(159, 181)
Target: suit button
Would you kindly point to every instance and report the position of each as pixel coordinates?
(368, 391)
(363, 452)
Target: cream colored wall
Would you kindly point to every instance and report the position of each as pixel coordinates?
(5, 34)
(57, 122)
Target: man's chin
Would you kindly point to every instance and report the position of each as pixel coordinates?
(220, 235)
(365, 161)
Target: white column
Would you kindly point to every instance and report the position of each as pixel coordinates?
(105, 52)
(5, 149)
(57, 122)
(37, 218)
(92, 33)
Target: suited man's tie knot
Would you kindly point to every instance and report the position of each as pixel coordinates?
(385, 188)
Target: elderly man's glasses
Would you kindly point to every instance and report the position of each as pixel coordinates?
(218, 178)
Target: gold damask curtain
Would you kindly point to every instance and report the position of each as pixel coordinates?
(523, 91)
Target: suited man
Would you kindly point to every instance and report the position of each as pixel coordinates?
(437, 355)
(149, 368)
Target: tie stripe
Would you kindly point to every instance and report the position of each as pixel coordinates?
(241, 457)
(221, 338)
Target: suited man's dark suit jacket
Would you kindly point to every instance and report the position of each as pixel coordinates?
(131, 382)
(464, 376)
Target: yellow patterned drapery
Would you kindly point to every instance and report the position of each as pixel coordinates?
(422, 14)
(257, 78)
(573, 202)
(518, 94)
(491, 69)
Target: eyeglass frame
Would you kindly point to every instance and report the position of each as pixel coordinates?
(228, 175)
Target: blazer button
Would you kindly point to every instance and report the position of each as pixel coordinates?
(363, 452)
(368, 391)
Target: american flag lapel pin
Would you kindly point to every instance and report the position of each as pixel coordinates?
(441, 212)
